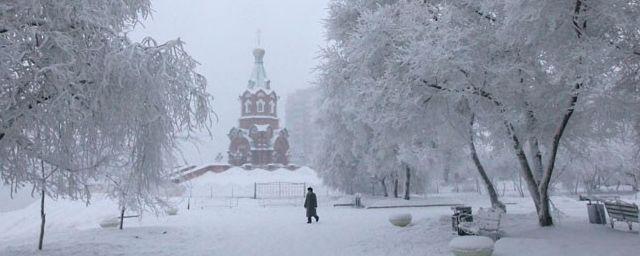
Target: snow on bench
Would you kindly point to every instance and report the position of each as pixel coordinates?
(622, 211)
(486, 222)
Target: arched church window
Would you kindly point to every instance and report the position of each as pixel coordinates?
(260, 105)
(247, 105)
(272, 105)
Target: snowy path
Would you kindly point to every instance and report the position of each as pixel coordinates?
(254, 230)
(251, 229)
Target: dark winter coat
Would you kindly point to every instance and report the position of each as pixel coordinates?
(311, 203)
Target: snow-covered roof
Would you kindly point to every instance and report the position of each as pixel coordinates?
(255, 90)
(259, 77)
(239, 132)
(263, 116)
(262, 149)
(262, 127)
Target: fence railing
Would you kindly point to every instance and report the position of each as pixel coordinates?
(279, 190)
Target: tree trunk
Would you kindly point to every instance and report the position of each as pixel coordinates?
(635, 182)
(520, 190)
(544, 216)
(43, 216)
(407, 183)
(447, 168)
(122, 218)
(534, 145)
(495, 201)
(395, 187)
(42, 219)
(373, 188)
(384, 186)
(534, 150)
(525, 169)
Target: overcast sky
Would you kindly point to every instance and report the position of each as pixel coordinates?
(221, 35)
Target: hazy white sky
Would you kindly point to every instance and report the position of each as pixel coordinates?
(221, 35)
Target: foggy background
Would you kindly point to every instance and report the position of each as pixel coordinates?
(221, 34)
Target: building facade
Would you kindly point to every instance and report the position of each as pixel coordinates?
(259, 140)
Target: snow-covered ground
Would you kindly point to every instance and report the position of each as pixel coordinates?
(15, 201)
(253, 227)
(238, 182)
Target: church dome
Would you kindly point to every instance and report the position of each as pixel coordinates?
(258, 53)
(259, 79)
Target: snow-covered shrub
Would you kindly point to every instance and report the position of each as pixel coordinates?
(400, 220)
(171, 211)
(110, 223)
(471, 246)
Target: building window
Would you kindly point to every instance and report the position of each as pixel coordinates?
(260, 105)
(247, 105)
(273, 107)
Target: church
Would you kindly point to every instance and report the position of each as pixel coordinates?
(258, 140)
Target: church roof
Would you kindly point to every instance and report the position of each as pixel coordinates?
(259, 79)
(262, 127)
(244, 133)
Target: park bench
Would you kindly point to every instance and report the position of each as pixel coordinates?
(622, 211)
(486, 222)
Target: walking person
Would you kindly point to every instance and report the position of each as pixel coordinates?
(311, 203)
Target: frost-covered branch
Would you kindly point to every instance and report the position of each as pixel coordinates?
(80, 97)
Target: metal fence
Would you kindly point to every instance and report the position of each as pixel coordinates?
(279, 190)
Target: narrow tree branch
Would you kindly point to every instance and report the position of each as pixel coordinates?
(493, 195)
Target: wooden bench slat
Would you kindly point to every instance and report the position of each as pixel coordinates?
(624, 212)
(617, 215)
(621, 211)
(626, 209)
(627, 216)
(630, 206)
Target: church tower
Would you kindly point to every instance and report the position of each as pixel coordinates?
(259, 140)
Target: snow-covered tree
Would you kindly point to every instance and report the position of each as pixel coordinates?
(78, 98)
(540, 76)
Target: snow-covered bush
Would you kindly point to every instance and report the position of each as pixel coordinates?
(471, 246)
(400, 220)
(110, 223)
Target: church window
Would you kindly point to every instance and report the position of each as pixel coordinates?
(247, 105)
(260, 105)
(272, 105)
